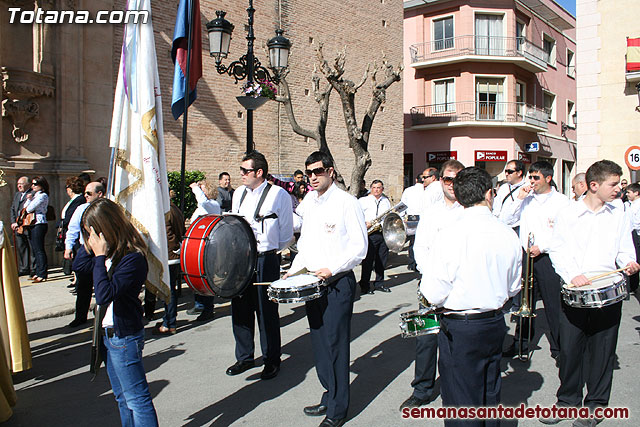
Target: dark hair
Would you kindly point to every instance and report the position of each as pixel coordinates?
(76, 184)
(42, 182)
(470, 185)
(519, 165)
(99, 187)
(376, 181)
(108, 218)
(452, 164)
(102, 180)
(223, 174)
(432, 172)
(85, 177)
(298, 172)
(319, 156)
(601, 170)
(543, 167)
(635, 187)
(258, 161)
(299, 189)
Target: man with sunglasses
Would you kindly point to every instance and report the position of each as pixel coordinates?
(332, 242)
(438, 212)
(508, 192)
(374, 205)
(267, 209)
(536, 207)
(73, 241)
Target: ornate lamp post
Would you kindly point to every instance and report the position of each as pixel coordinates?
(248, 66)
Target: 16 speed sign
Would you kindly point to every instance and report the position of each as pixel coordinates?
(632, 157)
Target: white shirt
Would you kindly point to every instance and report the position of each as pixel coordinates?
(433, 219)
(585, 241)
(373, 207)
(107, 321)
(634, 212)
(537, 214)
(38, 204)
(507, 194)
(73, 232)
(271, 233)
(333, 234)
(476, 266)
(413, 198)
(205, 206)
(432, 195)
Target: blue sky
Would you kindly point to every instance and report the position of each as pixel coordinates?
(570, 5)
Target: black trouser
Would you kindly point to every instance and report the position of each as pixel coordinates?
(587, 355)
(36, 237)
(26, 257)
(412, 258)
(546, 284)
(469, 365)
(330, 329)
(425, 368)
(633, 279)
(84, 288)
(377, 253)
(255, 300)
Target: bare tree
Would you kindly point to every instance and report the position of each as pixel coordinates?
(383, 76)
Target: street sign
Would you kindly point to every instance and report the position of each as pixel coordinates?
(491, 156)
(632, 157)
(524, 157)
(532, 147)
(441, 156)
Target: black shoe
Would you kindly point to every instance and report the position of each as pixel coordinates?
(383, 288)
(194, 311)
(240, 367)
(204, 317)
(269, 371)
(71, 285)
(332, 422)
(76, 322)
(414, 402)
(315, 410)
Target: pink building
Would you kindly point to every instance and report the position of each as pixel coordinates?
(487, 82)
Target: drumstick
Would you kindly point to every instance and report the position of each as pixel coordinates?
(303, 271)
(599, 276)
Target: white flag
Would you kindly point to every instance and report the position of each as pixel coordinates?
(140, 172)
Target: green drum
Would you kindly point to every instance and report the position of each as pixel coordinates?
(419, 322)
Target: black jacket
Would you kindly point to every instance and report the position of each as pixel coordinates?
(18, 203)
(77, 201)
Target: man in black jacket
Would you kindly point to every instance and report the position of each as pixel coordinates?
(26, 258)
(225, 192)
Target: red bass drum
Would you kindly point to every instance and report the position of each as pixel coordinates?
(219, 255)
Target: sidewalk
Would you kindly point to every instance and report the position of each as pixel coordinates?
(47, 299)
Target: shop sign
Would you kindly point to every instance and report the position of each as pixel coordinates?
(524, 157)
(441, 156)
(491, 156)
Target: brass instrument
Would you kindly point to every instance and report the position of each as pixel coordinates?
(376, 224)
(525, 310)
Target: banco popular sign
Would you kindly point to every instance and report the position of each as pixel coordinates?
(491, 156)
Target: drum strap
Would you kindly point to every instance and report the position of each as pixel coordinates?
(256, 216)
(510, 194)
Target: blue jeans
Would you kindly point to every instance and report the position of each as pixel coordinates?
(171, 309)
(36, 237)
(128, 380)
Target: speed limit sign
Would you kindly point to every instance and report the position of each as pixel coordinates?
(632, 157)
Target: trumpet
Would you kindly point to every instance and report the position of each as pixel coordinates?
(376, 223)
(525, 310)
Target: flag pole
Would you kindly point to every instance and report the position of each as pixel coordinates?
(186, 107)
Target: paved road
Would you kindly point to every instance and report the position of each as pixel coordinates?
(189, 387)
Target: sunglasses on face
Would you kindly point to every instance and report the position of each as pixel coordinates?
(316, 171)
(88, 193)
(244, 171)
(535, 177)
(509, 171)
(448, 179)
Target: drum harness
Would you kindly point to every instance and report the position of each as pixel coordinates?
(256, 216)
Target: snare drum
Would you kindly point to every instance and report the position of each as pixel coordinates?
(600, 293)
(300, 288)
(419, 322)
(218, 255)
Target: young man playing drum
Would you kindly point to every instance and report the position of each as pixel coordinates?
(332, 242)
(268, 211)
(591, 235)
(472, 272)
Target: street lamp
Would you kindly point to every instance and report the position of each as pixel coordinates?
(248, 66)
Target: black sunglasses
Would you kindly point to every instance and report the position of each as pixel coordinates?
(244, 171)
(509, 171)
(316, 171)
(88, 193)
(447, 179)
(535, 177)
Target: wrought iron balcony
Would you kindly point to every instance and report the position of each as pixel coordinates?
(479, 48)
(479, 113)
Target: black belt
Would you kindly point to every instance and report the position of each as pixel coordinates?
(271, 252)
(473, 316)
(109, 332)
